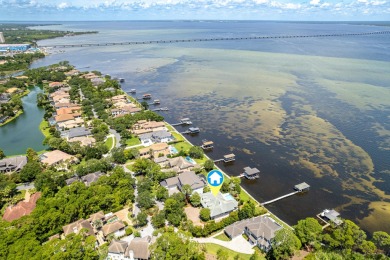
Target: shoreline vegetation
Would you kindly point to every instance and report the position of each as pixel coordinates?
(115, 189)
(11, 64)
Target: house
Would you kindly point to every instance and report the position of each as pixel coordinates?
(65, 117)
(155, 151)
(179, 164)
(13, 164)
(69, 110)
(251, 173)
(97, 81)
(97, 216)
(143, 127)
(70, 123)
(73, 72)
(162, 161)
(4, 98)
(139, 248)
(77, 132)
(186, 178)
(77, 226)
(57, 157)
(21, 209)
(117, 250)
(56, 84)
(91, 178)
(71, 180)
(331, 215)
(220, 206)
(259, 230)
(162, 136)
(116, 228)
(84, 140)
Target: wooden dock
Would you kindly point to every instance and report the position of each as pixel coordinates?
(161, 109)
(279, 198)
(227, 158)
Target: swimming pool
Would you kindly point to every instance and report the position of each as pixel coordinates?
(190, 160)
(173, 150)
(228, 196)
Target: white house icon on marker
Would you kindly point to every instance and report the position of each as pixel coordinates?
(215, 179)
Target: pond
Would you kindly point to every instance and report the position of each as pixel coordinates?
(23, 132)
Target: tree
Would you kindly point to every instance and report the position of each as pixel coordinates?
(284, 244)
(174, 211)
(118, 155)
(247, 211)
(222, 254)
(196, 152)
(186, 190)
(195, 199)
(145, 200)
(30, 170)
(145, 105)
(162, 193)
(142, 219)
(208, 165)
(31, 155)
(382, 240)
(309, 231)
(2, 154)
(158, 220)
(205, 214)
(347, 236)
(175, 245)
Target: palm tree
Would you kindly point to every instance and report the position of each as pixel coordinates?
(187, 190)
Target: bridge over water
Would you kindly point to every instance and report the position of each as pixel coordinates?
(213, 39)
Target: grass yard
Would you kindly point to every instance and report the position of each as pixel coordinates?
(44, 127)
(177, 136)
(213, 249)
(170, 128)
(244, 196)
(133, 141)
(222, 237)
(12, 118)
(109, 142)
(185, 146)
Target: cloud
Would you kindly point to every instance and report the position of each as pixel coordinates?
(62, 5)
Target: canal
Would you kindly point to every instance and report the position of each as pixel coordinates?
(23, 132)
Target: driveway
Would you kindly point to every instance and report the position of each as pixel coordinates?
(237, 244)
(148, 230)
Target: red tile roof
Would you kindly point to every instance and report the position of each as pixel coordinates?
(22, 208)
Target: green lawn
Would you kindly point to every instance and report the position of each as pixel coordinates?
(213, 249)
(12, 118)
(133, 141)
(185, 146)
(44, 127)
(109, 142)
(170, 128)
(223, 237)
(178, 137)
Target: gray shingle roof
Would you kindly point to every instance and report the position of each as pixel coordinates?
(91, 178)
(191, 179)
(217, 204)
(78, 131)
(13, 164)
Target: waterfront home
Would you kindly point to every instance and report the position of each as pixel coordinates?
(57, 158)
(259, 230)
(66, 117)
(125, 110)
(70, 124)
(97, 81)
(179, 164)
(69, 111)
(4, 98)
(251, 173)
(220, 206)
(61, 105)
(143, 126)
(196, 182)
(331, 215)
(73, 72)
(13, 164)
(21, 209)
(161, 136)
(155, 151)
(119, 98)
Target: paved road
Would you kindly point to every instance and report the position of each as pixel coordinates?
(238, 244)
(117, 137)
(29, 186)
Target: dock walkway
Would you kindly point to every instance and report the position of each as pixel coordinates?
(279, 198)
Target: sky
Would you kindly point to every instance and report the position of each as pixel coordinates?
(300, 10)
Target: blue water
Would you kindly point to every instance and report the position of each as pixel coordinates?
(156, 68)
